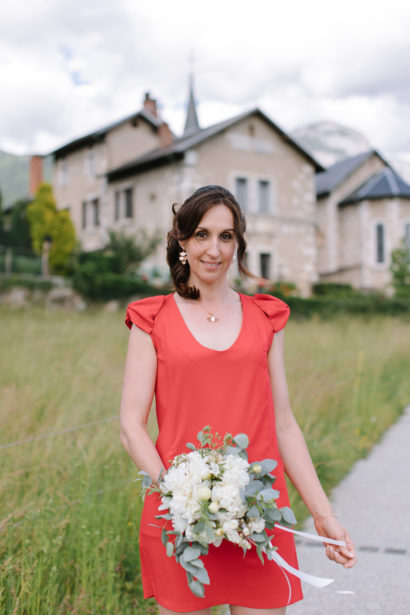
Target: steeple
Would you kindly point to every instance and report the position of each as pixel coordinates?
(191, 122)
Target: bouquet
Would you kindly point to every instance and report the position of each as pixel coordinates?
(212, 494)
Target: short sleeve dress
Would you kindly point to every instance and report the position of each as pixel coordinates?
(229, 390)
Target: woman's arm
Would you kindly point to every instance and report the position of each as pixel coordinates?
(298, 463)
(137, 395)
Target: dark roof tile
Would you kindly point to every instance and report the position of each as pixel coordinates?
(180, 146)
(385, 184)
(334, 175)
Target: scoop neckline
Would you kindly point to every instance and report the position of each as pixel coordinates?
(197, 341)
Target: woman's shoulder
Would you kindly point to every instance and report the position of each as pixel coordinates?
(275, 310)
(143, 312)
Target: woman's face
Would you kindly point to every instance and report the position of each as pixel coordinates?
(212, 246)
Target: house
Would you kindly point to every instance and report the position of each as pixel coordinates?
(363, 210)
(80, 167)
(126, 177)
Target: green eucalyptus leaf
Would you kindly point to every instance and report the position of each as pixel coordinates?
(164, 536)
(202, 576)
(197, 588)
(241, 440)
(268, 465)
(253, 513)
(258, 537)
(170, 549)
(198, 563)
(253, 487)
(268, 494)
(191, 553)
(259, 552)
(191, 446)
(288, 515)
(273, 514)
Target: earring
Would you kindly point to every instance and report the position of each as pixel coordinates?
(183, 257)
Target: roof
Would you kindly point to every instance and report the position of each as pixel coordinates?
(176, 150)
(383, 185)
(99, 135)
(334, 175)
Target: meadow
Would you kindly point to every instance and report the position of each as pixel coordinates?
(70, 505)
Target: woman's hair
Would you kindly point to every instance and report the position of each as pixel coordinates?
(185, 221)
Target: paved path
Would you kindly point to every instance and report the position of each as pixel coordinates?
(373, 502)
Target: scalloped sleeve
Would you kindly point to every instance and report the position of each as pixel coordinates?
(143, 312)
(275, 309)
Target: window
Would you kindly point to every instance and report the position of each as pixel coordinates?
(380, 243)
(96, 212)
(128, 203)
(407, 236)
(263, 196)
(265, 264)
(241, 190)
(84, 214)
(117, 205)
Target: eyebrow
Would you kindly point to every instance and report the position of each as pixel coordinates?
(204, 228)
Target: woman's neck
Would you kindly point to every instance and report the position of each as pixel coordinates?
(210, 293)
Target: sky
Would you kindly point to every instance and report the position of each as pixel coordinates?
(70, 67)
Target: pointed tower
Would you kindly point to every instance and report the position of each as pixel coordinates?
(191, 122)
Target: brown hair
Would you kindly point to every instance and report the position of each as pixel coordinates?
(187, 218)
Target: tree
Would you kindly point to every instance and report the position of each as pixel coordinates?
(45, 220)
(400, 269)
(128, 252)
(19, 233)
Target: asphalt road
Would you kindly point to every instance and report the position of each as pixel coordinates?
(373, 502)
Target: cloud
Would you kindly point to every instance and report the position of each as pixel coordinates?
(71, 67)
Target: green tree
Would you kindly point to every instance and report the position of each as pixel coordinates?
(400, 269)
(128, 252)
(19, 233)
(45, 220)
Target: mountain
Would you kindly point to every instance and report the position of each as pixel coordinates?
(330, 142)
(14, 176)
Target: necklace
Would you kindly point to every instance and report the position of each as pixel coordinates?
(211, 315)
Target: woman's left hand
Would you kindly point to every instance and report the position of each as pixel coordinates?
(330, 527)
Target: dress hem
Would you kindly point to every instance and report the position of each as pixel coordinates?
(211, 603)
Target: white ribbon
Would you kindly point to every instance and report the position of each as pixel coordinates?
(340, 543)
(318, 582)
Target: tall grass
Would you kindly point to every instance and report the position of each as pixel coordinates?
(69, 510)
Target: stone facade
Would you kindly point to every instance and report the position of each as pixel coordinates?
(329, 218)
(358, 235)
(278, 201)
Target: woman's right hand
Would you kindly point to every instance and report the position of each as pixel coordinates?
(330, 527)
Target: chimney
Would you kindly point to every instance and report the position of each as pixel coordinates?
(165, 135)
(35, 174)
(150, 104)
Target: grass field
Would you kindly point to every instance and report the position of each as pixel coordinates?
(69, 506)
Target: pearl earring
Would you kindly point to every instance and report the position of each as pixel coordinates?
(183, 257)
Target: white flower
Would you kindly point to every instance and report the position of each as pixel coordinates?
(256, 525)
(203, 493)
(214, 506)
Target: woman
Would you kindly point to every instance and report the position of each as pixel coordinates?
(215, 357)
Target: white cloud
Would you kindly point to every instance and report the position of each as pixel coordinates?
(71, 67)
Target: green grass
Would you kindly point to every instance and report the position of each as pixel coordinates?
(69, 507)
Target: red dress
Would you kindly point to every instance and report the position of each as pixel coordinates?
(230, 391)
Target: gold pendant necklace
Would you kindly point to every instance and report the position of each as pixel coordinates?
(211, 315)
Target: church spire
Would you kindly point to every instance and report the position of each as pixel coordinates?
(191, 122)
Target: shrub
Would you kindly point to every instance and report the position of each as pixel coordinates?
(103, 286)
(333, 289)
